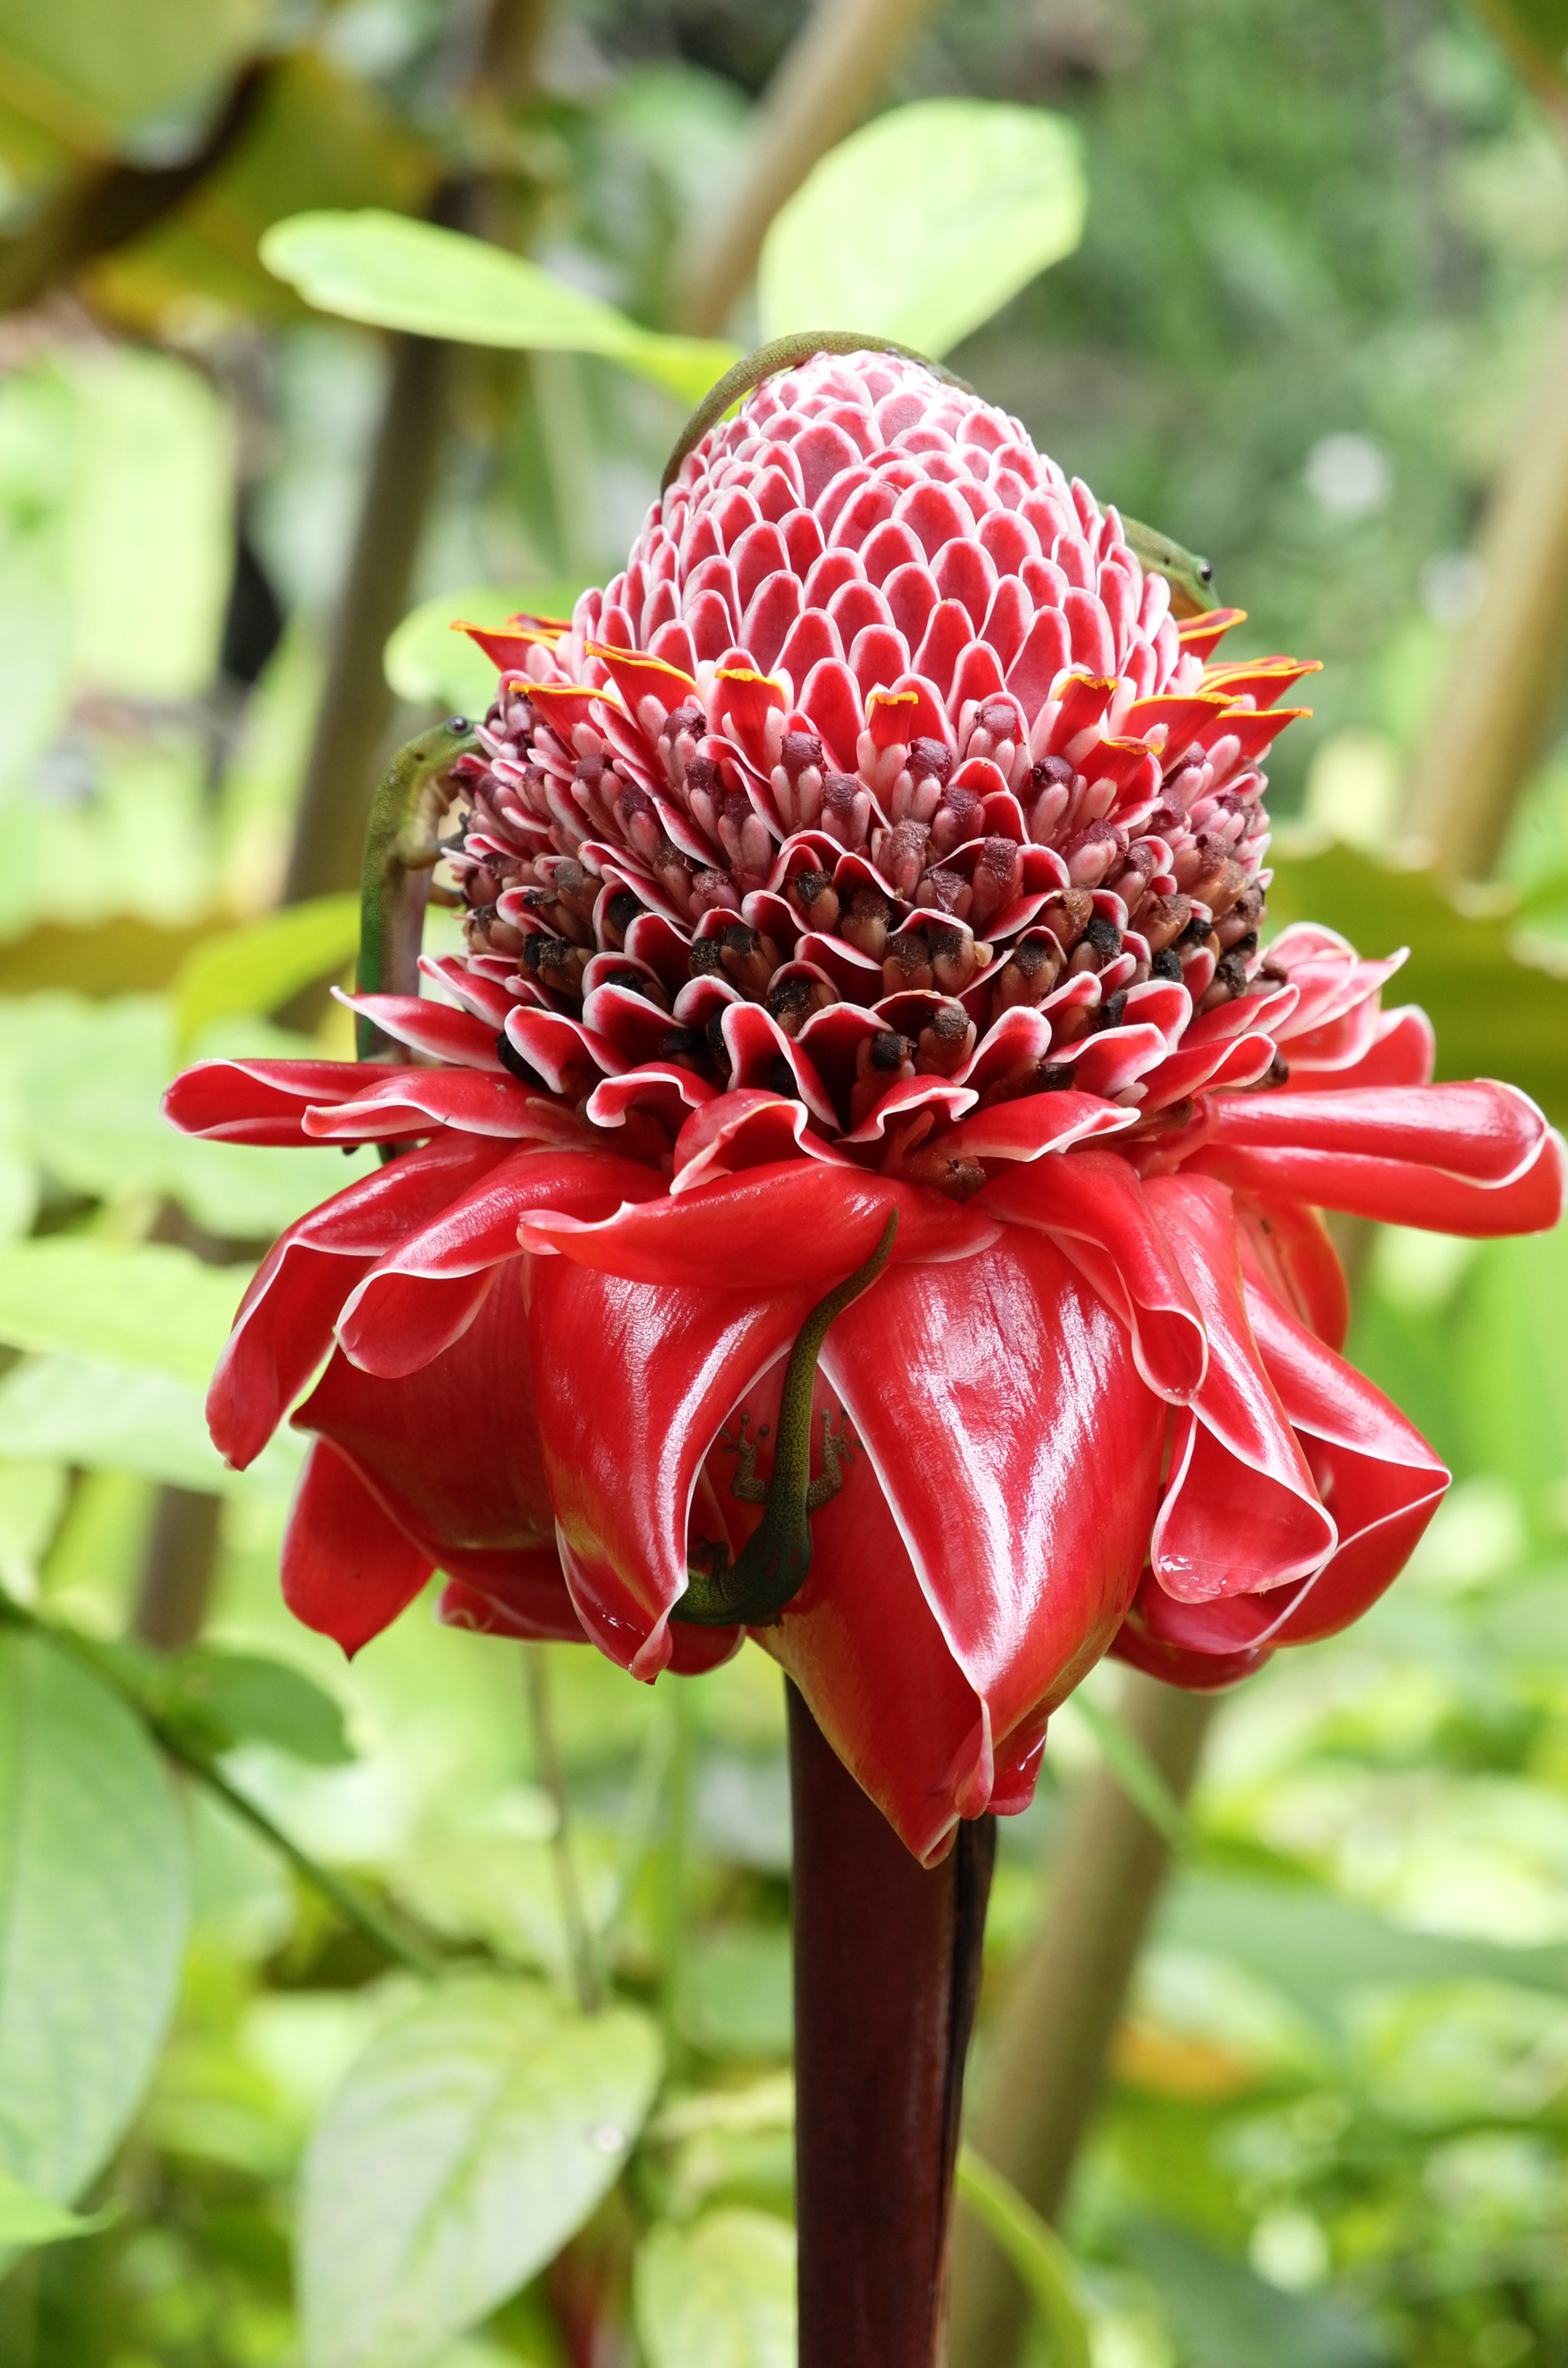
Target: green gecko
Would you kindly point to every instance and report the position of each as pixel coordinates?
(783, 354)
(401, 851)
(771, 1567)
(1192, 579)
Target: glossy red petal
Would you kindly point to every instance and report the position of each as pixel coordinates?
(1036, 1123)
(1188, 1645)
(395, 1102)
(1485, 1132)
(1093, 1207)
(425, 1294)
(1397, 1192)
(431, 1028)
(1377, 1471)
(1000, 1405)
(641, 1377)
(1401, 1051)
(862, 1644)
(541, 1612)
(797, 1225)
(452, 1452)
(257, 1101)
(347, 1569)
(284, 1325)
(744, 1129)
(1291, 1248)
(1241, 1510)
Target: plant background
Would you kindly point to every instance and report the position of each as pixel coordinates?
(1326, 241)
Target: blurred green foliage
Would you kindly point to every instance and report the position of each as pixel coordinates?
(1322, 241)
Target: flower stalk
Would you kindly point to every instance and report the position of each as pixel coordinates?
(887, 1971)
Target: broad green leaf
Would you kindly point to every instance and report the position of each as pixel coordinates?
(38, 622)
(925, 223)
(32, 1498)
(1037, 2253)
(94, 72)
(93, 1906)
(103, 1417)
(252, 969)
(721, 2295)
(426, 662)
(151, 1306)
(1135, 1772)
(473, 2136)
(1317, 1949)
(28, 2218)
(1227, 2317)
(320, 136)
(399, 274)
(1496, 1015)
(737, 1992)
(246, 1698)
(152, 523)
(80, 1086)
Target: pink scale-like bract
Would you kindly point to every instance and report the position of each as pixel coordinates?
(877, 840)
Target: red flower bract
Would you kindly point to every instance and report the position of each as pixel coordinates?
(875, 841)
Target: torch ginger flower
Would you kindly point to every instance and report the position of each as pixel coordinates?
(876, 843)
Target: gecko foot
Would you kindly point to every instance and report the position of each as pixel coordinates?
(837, 1449)
(746, 1485)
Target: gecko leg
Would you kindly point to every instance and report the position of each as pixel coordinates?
(772, 1566)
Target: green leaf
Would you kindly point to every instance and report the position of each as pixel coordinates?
(256, 968)
(399, 274)
(244, 1698)
(1317, 1949)
(1496, 1014)
(80, 1086)
(1036, 2252)
(925, 223)
(721, 2295)
(96, 73)
(28, 2218)
(152, 523)
(426, 662)
(151, 1306)
(736, 1997)
(93, 1906)
(474, 2136)
(104, 1417)
(1135, 1772)
(1227, 2317)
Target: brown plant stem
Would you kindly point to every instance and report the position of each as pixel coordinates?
(831, 75)
(551, 1770)
(100, 207)
(887, 1968)
(356, 703)
(178, 1569)
(180, 1561)
(1502, 692)
(1046, 2061)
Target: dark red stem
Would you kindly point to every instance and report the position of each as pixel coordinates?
(887, 1968)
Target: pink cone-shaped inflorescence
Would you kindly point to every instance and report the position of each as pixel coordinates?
(878, 841)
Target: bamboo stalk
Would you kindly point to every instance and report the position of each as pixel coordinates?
(1501, 693)
(831, 76)
(1046, 2058)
